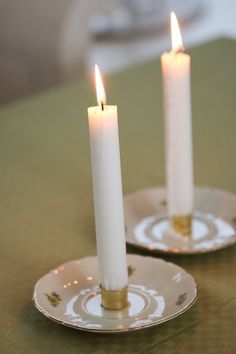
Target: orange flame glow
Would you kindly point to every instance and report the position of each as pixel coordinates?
(101, 96)
(176, 39)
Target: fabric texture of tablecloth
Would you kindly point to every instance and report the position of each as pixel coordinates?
(46, 205)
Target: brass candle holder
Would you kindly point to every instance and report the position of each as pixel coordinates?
(182, 224)
(114, 300)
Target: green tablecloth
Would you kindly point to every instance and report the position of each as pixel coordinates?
(47, 213)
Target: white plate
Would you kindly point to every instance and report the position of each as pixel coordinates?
(147, 224)
(158, 291)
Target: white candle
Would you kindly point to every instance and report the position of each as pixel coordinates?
(178, 130)
(107, 190)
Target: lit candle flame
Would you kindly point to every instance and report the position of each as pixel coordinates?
(176, 39)
(101, 96)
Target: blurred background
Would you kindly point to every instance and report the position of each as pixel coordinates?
(45, 43)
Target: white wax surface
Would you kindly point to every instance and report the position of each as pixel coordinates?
(108, 197)
(178, 132)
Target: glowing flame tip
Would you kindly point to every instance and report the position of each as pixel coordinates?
(101, 96)
(176, 39)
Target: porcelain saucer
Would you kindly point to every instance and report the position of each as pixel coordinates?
(147, 224)
(158, 291)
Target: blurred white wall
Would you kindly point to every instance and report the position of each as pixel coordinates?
(42, 42)
(46, 42)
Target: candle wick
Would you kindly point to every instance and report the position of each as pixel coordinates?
(102, 106)
(180, 50)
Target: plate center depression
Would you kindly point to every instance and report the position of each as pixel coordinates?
(137, 303)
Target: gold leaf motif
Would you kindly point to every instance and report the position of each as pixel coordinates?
(163, 203)
(130, 270)
(53, 298)
(234, 221)
(181, 299)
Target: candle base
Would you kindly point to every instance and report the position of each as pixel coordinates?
(148, 224)
(182, 224)
(114, 300)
